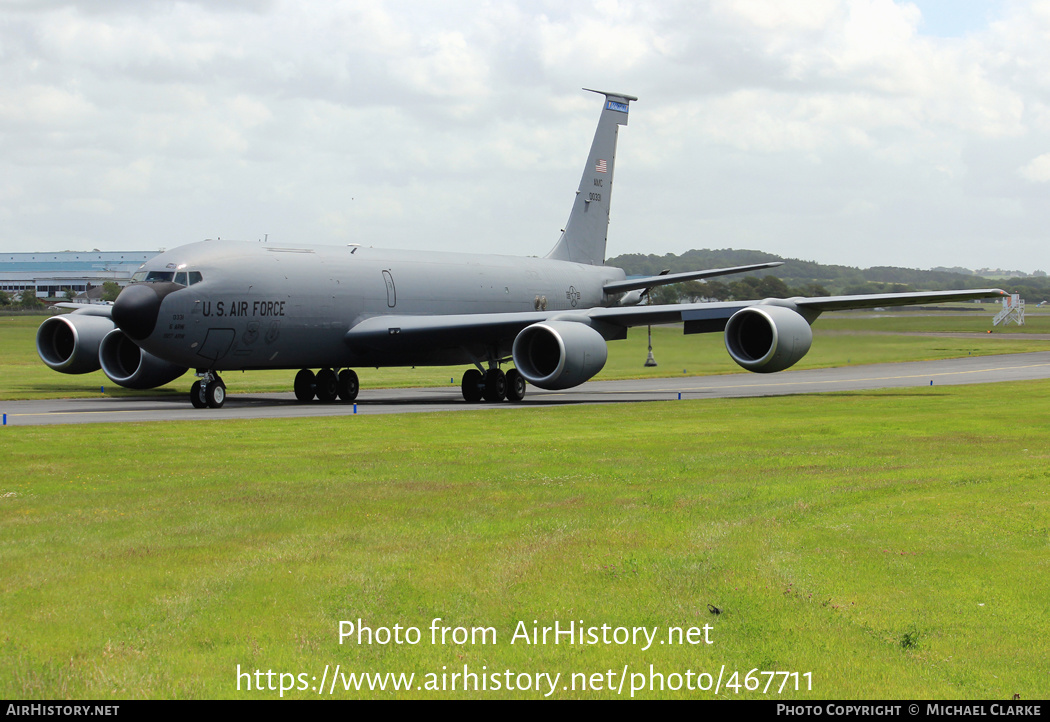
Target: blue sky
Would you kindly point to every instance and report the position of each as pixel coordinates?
(956, 18)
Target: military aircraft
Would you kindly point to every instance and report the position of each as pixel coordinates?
(221, 306)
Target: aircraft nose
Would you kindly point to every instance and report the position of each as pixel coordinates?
(136, 308)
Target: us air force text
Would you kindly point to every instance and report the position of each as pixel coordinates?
(243, 308)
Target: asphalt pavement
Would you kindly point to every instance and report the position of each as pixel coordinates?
(922, 374)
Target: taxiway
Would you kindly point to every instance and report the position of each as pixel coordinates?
(911, 375)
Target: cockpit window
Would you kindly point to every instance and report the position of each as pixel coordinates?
(186, 278)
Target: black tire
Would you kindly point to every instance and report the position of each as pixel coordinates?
(348, 385)
(195, 396)
(472, 385)
(215, 394)
(515, 385)
(495, 386)
(304, 385)
(326, 386)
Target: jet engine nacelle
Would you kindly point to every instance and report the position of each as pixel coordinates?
(559, 354)
(765, 338)
(129, 366)
(70, 343)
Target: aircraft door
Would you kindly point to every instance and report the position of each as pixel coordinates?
(216, 343)
(391, 292)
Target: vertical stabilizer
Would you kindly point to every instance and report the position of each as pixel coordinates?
(583, 239)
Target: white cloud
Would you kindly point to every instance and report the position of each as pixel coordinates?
(37, 106)
(1037, 170)
(801, 15)
(827, 129)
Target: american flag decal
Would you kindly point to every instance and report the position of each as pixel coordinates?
(601, 167)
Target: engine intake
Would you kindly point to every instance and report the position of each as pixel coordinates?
(766, 339)
(131, 367)
(70, 343)
(559, 354)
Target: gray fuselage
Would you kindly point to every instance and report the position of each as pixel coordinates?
(259, 306)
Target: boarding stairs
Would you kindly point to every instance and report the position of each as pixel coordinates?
(1013, 310)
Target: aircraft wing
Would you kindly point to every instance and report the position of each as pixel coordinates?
(712, 317)
(88, 309)
(633, 284)
(873, 300)
(385, 332)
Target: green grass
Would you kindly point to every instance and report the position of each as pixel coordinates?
(839, 340)
(932, 322)
(894, 544)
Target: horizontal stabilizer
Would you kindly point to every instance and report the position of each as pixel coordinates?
(632, 284)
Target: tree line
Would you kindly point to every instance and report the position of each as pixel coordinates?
(806, 278)
(28, 300)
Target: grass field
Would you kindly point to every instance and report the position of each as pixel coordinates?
(839, 339)
(892, 544)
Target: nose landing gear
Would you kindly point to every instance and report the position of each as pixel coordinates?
(209, 392)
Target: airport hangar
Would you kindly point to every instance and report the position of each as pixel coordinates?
(51, 274)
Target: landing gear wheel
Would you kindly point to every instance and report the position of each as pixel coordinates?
(327, 386)
(215, 394)
(495, 386)
(348, 385)
(196, 397)
(304, 385)
(515, 385)
(472, 385)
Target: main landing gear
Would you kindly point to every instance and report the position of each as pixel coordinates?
(326, 385)
(210, 391)
(492, 386)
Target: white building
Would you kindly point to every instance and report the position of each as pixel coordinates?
(49, 275)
